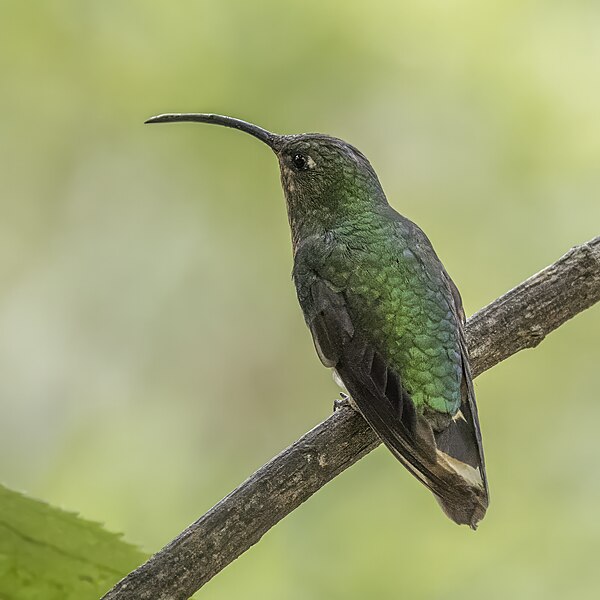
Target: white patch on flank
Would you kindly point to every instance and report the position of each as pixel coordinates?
(324, 359)
(338, 379)
(467, 472)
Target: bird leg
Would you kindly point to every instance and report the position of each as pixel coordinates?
(344, 401)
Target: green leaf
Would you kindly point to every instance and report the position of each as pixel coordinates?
(47, 553)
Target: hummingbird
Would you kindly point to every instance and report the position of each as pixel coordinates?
(383, 312)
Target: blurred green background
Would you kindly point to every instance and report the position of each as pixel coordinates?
(152, 354)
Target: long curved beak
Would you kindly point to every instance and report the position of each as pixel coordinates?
(258, 132)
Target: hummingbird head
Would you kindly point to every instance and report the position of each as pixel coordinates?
(325, 180)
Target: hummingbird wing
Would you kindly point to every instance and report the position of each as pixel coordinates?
(440, 460)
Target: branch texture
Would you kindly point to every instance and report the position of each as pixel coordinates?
(520, 319)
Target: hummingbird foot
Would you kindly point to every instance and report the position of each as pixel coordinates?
(344, 401)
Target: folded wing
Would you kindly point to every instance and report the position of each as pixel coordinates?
(448, 462)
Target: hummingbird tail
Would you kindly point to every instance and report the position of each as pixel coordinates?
(468, 513)
(457, 486)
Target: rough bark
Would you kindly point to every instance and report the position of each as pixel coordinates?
(519, 319)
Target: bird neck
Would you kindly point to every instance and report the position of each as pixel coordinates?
(352, 216)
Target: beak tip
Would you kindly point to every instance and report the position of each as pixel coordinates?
(156, 119)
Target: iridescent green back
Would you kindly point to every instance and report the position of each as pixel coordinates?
(398, 295)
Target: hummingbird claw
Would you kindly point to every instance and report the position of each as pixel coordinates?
(342, 402)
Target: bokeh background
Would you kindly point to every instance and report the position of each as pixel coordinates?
(152, 354)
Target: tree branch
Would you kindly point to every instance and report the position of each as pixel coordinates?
(520, 319)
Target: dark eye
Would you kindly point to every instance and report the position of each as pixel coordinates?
(300, 162)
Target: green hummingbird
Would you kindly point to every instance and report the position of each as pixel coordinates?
(382, 310)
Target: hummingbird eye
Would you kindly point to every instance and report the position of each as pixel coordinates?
(300, 162)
